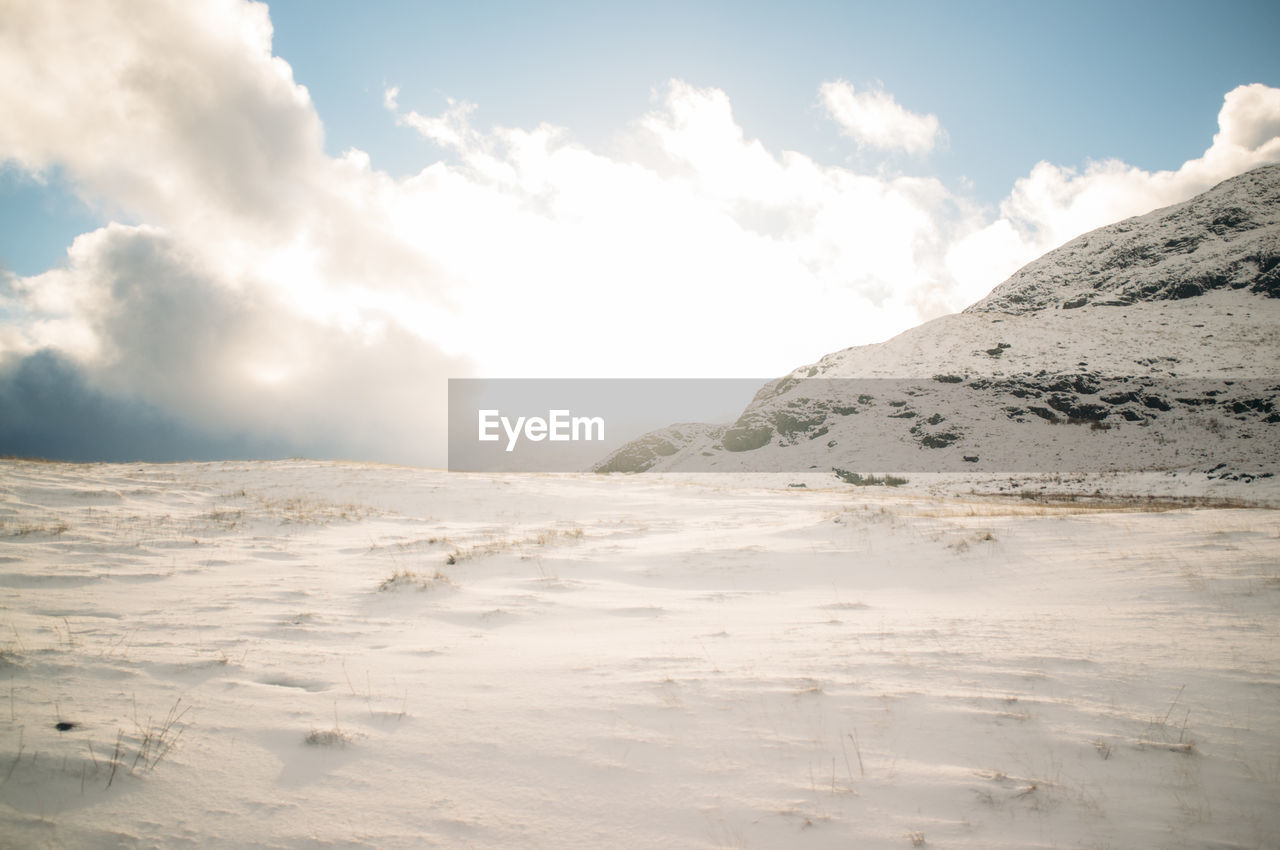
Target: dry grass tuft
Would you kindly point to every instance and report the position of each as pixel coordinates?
(520, 544)
(157, 739)
(334, 737)
(403, 578)
(33, 529)
(303, 510)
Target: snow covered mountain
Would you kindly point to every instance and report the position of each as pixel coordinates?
(1150, 344)
(1226, 238)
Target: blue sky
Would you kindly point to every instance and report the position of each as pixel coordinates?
(295, 222)
(1013, 82)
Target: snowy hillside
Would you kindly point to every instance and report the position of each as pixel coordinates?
(1149, 344)
(1226, 238)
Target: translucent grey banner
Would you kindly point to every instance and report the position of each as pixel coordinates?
(942, 423)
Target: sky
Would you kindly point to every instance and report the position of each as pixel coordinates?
(234, 229)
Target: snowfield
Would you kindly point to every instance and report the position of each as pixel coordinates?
(306, 654)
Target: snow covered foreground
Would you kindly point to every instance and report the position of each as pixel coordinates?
(305, 654)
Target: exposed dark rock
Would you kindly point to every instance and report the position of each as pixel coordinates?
(1261, 405)
(1086, 384)
(642, 453)
(788, 424)
(1074, 410)
(740, 439)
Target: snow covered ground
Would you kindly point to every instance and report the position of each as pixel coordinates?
(305, 654)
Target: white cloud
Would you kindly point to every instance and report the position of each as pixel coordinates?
(874, 119)
(1249, 125)
(162, 110)
(702, 237)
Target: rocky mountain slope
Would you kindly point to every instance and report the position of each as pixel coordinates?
(1226, 238)
(1150, 344)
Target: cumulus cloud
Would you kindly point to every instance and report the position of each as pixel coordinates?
(1249, 126)
(254, 285)
(262, 293)
(173, 111)
(227, 356)
(875, 119)
(701, 235)
(1054, 204)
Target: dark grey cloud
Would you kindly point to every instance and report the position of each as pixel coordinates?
(49, 410)
(187, 358)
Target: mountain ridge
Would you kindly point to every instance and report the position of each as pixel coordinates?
(1104, 331)
(1225, 238)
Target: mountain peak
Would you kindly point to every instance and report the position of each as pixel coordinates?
(1225, 238)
